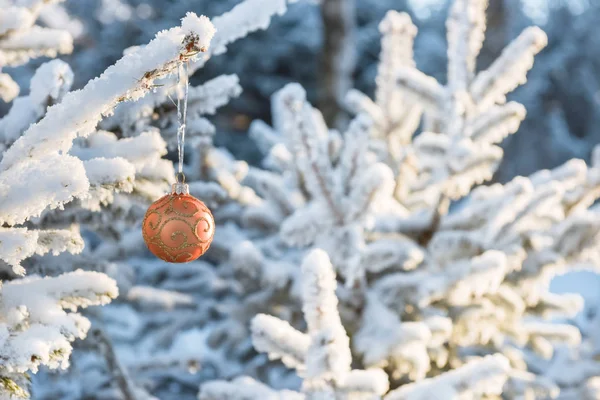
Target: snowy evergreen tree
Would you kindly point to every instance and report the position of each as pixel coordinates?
(425, 290)
(42, 173)
(411, 277)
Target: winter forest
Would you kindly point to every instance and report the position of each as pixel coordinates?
(404, 193)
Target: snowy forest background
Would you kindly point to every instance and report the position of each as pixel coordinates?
(422, 261)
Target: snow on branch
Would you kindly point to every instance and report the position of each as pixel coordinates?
(107, 176)
(36, 330)
(404, 347)
(19, 47)
(35, 156)
(8, 88)
(58, 180)
(496, 123)
(467, 117)
(466, 27)
(49, 84)
(342, 182)
(476, 379)
(244, 388)
(420, 87)
(17, 244)
(322, 356)
(509, 70)
(394, 118)
(21, 40)
(37, 174)
(213, 94)
(328, 357)
(307, 138)
(129, 79)
(15, 19)
(280, 340)
(139, 150)
(397, 39)
(245, 17)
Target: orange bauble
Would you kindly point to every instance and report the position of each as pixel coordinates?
(178, 227)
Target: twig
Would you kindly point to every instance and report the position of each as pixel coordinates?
(115, 368)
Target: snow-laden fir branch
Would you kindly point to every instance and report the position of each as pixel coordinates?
(464, 120)
(35, 328)
(463, 108)
(17, 244)
(128, 80)
(438, 287)
(339, 179)
(9, 89)
(38, 175)
(498, 251)
(466, 26)
(508, 71)
(475, 380)
(35, 152)
(21, 40)
(395, 120)
(107, 176)
(246, 17)
(322, 356)
(57, 180)
(49, 84)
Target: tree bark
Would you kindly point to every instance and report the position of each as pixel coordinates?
(338, 58)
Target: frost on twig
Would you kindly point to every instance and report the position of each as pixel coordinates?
(499, 250)
(340, 181)
(17, 244)
(48, 86)
(469, 122)
(207, 163)
(246, 17)
(476, 379)
(338, 57)
(464, 120)
(443, 297)
(21, 40)
(43, 171)
(395, 119)
(35, 328)
(8, 88)
(321, 357)
(65, 122)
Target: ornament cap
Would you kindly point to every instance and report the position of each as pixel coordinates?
(180, 188)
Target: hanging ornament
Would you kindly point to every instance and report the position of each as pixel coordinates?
(178, 227)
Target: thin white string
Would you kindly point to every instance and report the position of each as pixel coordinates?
(181, 118)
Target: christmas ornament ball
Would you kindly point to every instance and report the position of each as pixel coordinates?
(178, 228)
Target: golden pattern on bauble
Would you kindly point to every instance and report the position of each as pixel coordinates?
(178, 228)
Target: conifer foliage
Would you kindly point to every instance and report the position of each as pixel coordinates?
(371, 261)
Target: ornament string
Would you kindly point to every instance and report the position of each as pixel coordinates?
(181, 119)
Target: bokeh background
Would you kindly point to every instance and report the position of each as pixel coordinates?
(562, 95)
